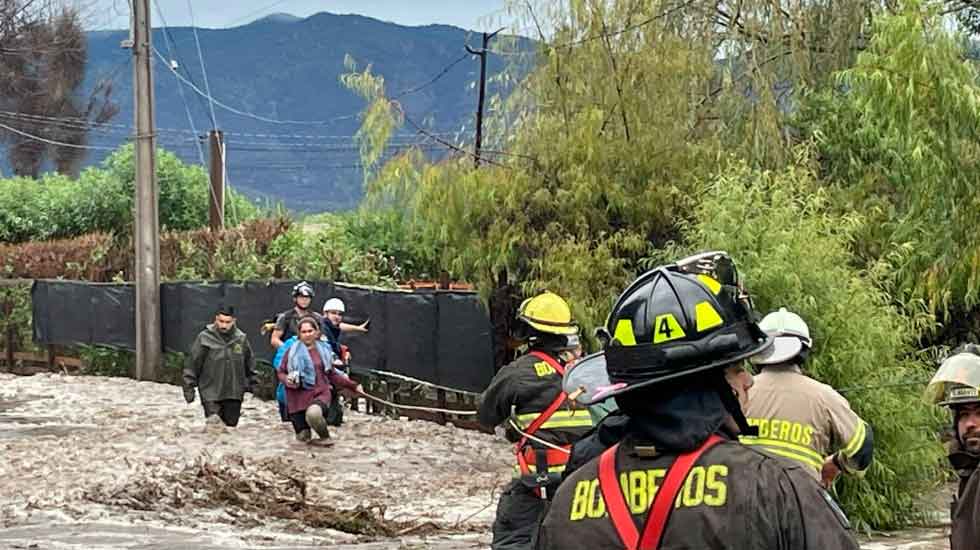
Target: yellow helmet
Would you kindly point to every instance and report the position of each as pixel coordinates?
(548, 312)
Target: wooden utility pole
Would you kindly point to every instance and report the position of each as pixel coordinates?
(217, 171)
(149, 347)
(482, 52)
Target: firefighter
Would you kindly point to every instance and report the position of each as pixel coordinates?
(798, 417)
(957, 385)
(679, 478)
(287, 322)
(526, 397)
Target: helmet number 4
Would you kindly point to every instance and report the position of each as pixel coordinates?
(667, 329)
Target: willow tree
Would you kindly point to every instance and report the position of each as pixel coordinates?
(900, 139)
(598, 152)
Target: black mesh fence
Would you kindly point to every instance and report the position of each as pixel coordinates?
(441, 337)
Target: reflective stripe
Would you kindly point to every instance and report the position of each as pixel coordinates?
(561, 419)
(557, 469)
(805, 459)
(856, 442)
(793, 447)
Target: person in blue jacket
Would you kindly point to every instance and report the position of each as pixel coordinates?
(281, 389)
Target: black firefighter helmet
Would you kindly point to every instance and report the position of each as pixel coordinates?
(676, 320)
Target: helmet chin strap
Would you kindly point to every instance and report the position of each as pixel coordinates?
(730, 401)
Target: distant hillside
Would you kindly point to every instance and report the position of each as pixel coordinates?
(286, 68)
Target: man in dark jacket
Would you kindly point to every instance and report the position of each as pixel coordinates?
(222, 368)
(526, 397)
(678, 477)
(955, 385)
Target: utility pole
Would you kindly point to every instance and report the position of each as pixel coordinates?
(482, 52)
(217, 172)
(147, 224)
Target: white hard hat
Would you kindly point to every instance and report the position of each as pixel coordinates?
(791, 335)
(334, 304)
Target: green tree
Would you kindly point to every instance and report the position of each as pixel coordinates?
(630, 104)
(793, 249)
(900, 137)
(632, 107)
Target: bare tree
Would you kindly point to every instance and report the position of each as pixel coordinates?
(43, 56)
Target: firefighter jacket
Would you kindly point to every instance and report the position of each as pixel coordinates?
(520, 392)
(733, 497)
(221, 366)
(965, 510)
(806, 421)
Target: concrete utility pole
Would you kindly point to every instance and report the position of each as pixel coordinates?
(217, 171)
(482, 52)
(149, 347)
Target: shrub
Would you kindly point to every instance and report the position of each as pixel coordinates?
(101, 200)
(795, 253)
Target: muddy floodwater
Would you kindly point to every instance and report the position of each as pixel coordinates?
(94, 462)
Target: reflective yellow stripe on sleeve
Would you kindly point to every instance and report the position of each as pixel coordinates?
(786, 449)
(856, 442)
(561, 419)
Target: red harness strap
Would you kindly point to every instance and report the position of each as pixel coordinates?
(541, 418)
(662, 504)
(552, 362)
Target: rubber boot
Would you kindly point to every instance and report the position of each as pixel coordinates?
(304, 436)
(316, 420)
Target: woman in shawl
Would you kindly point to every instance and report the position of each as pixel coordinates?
(307, 370)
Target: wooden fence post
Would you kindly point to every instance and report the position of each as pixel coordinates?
(441, 399)
(8, 309)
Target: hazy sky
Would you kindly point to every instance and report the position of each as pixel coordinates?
(477, 15)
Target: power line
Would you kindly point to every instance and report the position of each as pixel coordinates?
(599, 36)
(57, 127)
(432, 80)
(248, 114)
(255, 12)
(172, 41)
(250, 149)
(180, 87)
(889, 385)
(326, 146)
(330, 137)
(55, 142)
(204, 70)
(80, 122)
(447, 144)
(207, 95)
(300, 168)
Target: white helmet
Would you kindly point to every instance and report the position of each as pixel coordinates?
(334, 304)
(791, 333)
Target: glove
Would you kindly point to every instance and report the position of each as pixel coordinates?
(189, 394)
(293, 378)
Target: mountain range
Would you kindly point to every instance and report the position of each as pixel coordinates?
(287, 119)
